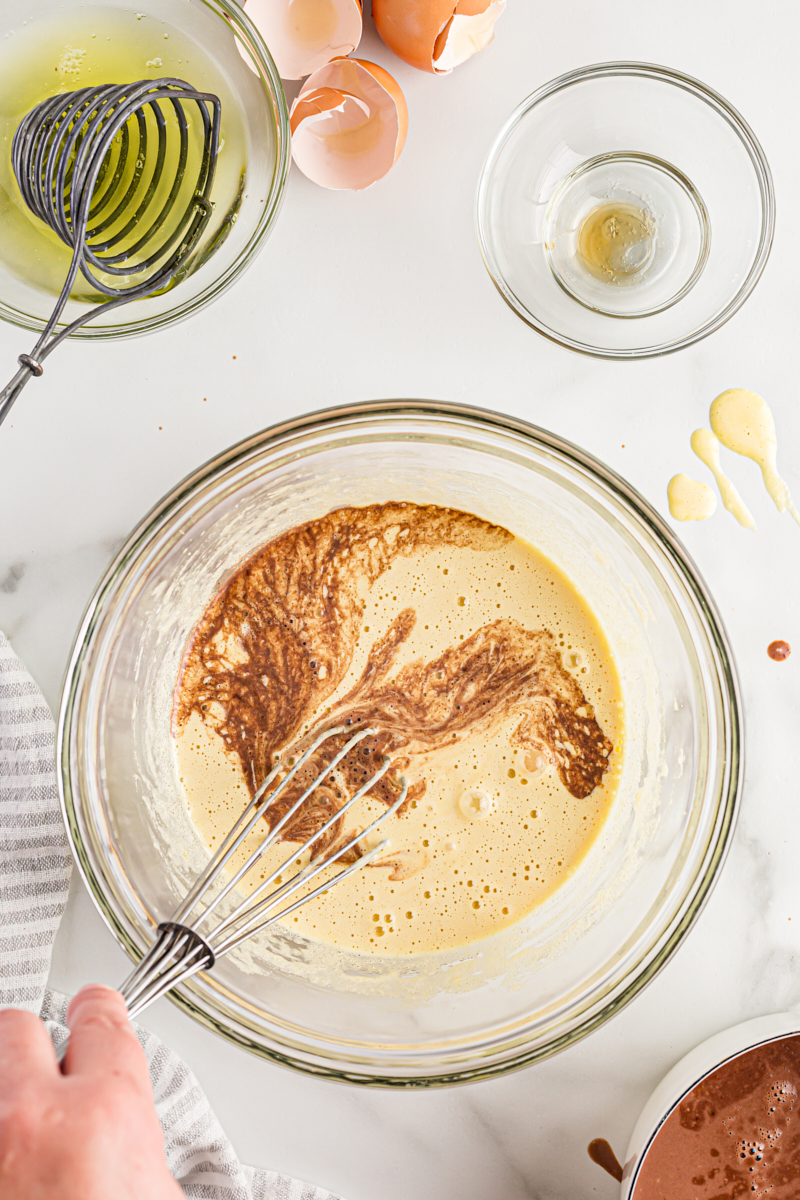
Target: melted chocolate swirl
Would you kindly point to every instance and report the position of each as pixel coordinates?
(278, 639)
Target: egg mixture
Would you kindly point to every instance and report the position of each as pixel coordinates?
(491, 684)
(87, 47)
(740, 421)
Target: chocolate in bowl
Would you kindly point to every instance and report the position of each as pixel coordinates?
(511, 999)
(725, 1122)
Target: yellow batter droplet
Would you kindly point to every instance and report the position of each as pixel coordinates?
(689, 499)
(706, 447)
(743, 423)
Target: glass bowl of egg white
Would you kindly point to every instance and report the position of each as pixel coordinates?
(51, 47)
(551, 677)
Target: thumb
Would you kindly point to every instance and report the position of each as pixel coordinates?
(102, 1041)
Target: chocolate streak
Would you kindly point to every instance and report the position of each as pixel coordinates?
(278, 639)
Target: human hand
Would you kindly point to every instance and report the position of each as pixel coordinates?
(91, 1133)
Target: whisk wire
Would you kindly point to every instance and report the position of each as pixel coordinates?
(252, 814)
(254, 924)
(80, 160)
(106, 197)
(177, 957)
(306, 872)
(180, 950)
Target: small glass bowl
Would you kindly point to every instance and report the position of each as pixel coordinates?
(226, 36)
(494, 1005)
(634, 139)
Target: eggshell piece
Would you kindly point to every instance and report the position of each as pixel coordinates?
(304, 35)
(349, 125)
(436, 35)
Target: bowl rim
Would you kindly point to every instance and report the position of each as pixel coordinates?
(661, 74)
(248, 33)
(649, 962)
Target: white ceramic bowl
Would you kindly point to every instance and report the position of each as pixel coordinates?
(692, 1069)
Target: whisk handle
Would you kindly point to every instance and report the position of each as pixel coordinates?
(28, 367)
(61, 1051)
(177, 953)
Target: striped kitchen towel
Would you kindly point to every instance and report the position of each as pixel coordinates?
(35, 865)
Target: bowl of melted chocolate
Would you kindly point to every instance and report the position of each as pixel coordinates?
(725, 1122)
(545, 668)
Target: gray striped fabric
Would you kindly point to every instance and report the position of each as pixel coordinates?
(35, 866)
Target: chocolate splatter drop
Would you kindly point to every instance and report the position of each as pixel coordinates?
(600, 1152)
(779, 651)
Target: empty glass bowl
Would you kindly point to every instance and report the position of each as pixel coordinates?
(625, 210)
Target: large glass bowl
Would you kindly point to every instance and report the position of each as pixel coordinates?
(253, 98)
(582, 955)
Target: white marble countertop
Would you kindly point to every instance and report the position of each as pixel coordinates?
(383, 294)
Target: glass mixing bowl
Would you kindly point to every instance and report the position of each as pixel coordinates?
(253, 98)
(626, 138)
(583, 954)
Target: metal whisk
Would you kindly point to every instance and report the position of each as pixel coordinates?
(185, 944)
(81, 162)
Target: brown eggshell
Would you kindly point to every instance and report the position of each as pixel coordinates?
(349, 124)
(436, 35)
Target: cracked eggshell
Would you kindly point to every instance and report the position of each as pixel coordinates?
(304, 35)
(436, 35)
(349, 124)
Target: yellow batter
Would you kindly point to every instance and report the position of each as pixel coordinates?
(706, 447)
(491, 829)
(689, 499)
(742, 422)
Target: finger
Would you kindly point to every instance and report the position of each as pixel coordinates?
(26, 1052)
(101, 1038)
